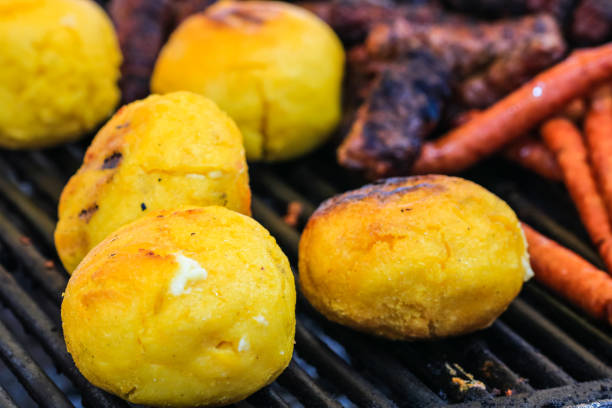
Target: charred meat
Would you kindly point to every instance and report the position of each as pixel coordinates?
(404, 104)
(466, 45)
(592, 21)
(142, 27)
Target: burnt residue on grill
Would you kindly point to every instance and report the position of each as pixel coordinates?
(87, 213)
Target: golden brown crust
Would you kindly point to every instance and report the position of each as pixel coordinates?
(161, 152)
(413, 258)
(159, 314)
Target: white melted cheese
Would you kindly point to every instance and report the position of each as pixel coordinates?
(526, 264)
(215, 174)
(260, 319)
(188, 270)
(243, 345)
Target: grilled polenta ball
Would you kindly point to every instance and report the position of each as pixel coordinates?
(413, 258)
(59, 66)
(183, 308)
(273, 67)
(161, 152)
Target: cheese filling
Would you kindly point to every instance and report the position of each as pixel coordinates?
(188, 270)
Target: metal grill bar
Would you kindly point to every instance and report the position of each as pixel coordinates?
(43, 224)
(47, 180)
(542, 372)
(403, 383)
(579, 362)
(39, 386)
(297, 381)
(280, 189)
(47, 333)
(45, 274)
(268, 398)
(571, 322)
(310, 182)
(356, 387)
(5, 399)
(287, 237)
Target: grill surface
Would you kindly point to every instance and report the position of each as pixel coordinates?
(540, 353)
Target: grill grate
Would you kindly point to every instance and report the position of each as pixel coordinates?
(545, 352)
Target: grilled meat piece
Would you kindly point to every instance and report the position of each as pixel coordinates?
(404, 101)
(592, 22)
(142, 27)
(468, 45)
(517, 66)
(181, 9)
(404, 104)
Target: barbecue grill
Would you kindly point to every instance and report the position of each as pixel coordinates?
(540, 353)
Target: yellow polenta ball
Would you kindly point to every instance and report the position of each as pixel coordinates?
(273, 67)
(59, 66)
(413, 258)
(186, 307)
(160, 152)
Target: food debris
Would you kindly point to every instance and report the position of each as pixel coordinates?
(25, 240)
(467, 382)
(49, 264)
(294, 210)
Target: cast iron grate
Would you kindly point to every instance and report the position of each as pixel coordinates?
(541, 351)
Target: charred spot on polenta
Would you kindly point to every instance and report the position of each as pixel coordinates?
(112, 161)
(87, 213)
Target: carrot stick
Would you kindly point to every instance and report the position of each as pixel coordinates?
(570, 275)
(533, 155)
(598, 130)
(564, 139)
(517, 113)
